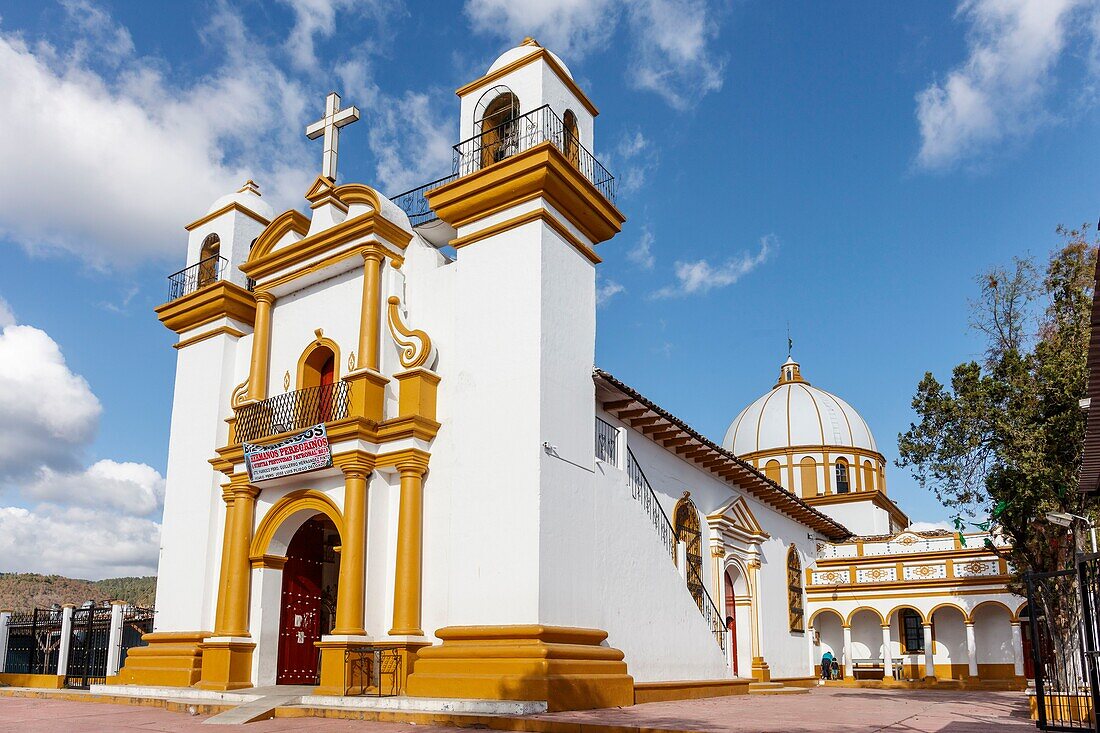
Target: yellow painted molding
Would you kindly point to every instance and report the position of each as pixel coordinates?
(526, 218)
(227, 330)
(231, 206)
(270, 562)
(169, 659)
(222, 299)
(878, 498)
(551, 62)
(540, 171)
(295, 501)
(285, 223)
(416, 393)
(414, 346)
(960, 555)
(226, 665)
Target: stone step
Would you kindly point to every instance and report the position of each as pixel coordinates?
(262, 708)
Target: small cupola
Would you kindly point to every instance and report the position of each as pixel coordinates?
(790, 372)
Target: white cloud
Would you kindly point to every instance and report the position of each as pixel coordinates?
(113, 164)
(700, 276)
(671, 52)
(47, 413)
(997, 95)
(317, 19)
(607, 289)
(636, 157)
(641, 254)
(133, 488)
(77, 542)
(570, 28)
(7, 317)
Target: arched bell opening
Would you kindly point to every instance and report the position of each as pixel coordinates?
(209, 257)
(496, 124)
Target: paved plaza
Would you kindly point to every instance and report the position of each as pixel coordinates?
(823, 710)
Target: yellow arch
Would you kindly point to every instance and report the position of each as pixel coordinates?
(818, 612)
(288, 221)
(313, 345)
(912, 608)
(1019, 610)
(737, 564)
(1012, 617)
(852, 615)
(948, 604)
(292, 503)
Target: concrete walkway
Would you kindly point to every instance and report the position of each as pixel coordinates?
(831, 710)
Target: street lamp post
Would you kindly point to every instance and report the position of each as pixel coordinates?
(1064, 519)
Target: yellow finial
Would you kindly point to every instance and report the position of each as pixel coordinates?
(528, 41)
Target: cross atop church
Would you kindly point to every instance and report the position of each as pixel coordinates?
(329, 126)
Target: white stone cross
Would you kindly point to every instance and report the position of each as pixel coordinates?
(329, 126)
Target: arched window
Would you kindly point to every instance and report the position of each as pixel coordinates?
(496, 126)
(842, 485)
(774, 471)
(808, 468)
(795, 611)
(572, 147)
(316, 375)
(209, 257)
(868, 476)
(686, 524)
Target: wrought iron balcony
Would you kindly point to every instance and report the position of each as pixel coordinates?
(292, 411)
(197, 276)
(502, 142)
(607, 441)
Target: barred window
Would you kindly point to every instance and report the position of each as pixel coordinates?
(794, 590)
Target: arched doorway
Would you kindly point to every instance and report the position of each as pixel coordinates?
(731, 618)
(308, 599)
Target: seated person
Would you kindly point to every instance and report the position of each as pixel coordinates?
(826, 665)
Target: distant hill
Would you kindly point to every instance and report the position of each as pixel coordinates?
(24, 591)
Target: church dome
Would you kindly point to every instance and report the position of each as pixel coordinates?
(247, 196)
(528, 47)
(794, 413)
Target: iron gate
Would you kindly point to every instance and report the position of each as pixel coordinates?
(89, 642)
(34, 640)
(1063, 616)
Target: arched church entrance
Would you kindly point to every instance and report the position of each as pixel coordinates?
(308, 605)
(731, 619)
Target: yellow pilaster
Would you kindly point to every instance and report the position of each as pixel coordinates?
(223, 577)
(760, 670)
(371, 317)
(349, 599)
(261, 347)
(410, 546)
(238, 567)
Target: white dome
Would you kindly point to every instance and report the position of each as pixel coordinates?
(528, 47)
(247, 196)
(794, 413)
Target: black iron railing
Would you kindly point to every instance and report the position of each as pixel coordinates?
(523, 133)
(607, 442)
(415, 204)
(199, 275)
(643, 493)
(293, 411)
(34, 640)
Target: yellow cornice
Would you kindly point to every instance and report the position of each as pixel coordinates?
(286, 222)
(832, 450)
(265, 264)
(357, 193)
(519, 63)
(222, 299)
(530, 216)
(228, 207)
(539, 171)
(227, 330)
(877, 498)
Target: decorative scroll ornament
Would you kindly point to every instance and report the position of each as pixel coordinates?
(240, 394)
(415, 347)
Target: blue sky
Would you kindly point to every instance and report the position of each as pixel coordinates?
(847, 168)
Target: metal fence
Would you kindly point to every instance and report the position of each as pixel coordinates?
(415, 203)
(1062, 607)
(607, 442)
(190, 279)
(34, 641)
(89, 642)
(295, 410)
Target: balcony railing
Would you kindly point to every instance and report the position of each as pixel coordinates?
(292, 411)
(199, 275)
(502, 142)
(607, 442)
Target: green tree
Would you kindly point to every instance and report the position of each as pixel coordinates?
(1004, 442)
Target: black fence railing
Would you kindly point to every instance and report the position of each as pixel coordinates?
(1062, 614)
(523, 133)
(607, 442)
(34, 641)
(89, 643)
(293, 411)
(415, 204)
(643, 493)
(195, 277)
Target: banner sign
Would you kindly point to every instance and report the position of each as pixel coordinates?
(309, 450)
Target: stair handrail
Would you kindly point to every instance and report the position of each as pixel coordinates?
(667, 533)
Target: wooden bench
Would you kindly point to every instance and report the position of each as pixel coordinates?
(877, 665)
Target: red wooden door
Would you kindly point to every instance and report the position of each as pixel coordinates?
(300, 620)
(328, 375)
(731, 620)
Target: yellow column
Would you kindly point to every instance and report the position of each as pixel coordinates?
(371, 316)
(761, 672)
(238, 568)
(350, 592)
(223, 578)
(410, 547)
(261, 346)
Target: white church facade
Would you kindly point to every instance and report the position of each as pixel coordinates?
(388, 433)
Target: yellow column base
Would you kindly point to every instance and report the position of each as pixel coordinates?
(562, 665)
(171, 659)
(226, 665)
(761, 672)
(368, 394)
(337, 677)
(416, 393)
